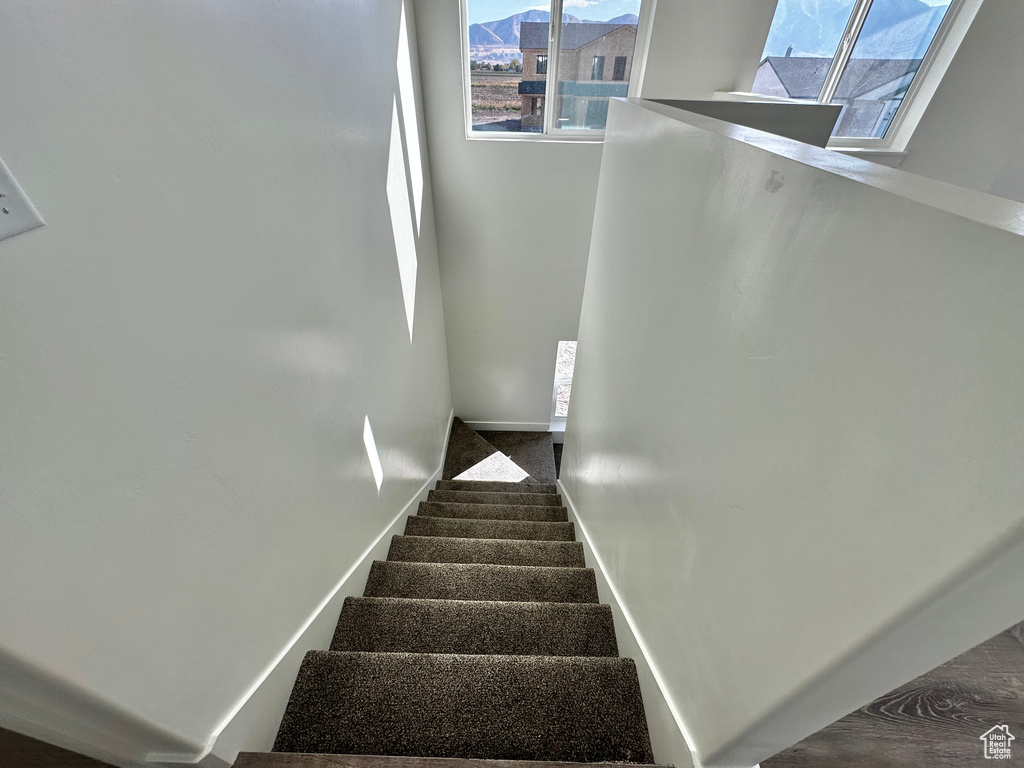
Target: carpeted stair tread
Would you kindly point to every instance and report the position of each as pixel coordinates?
(533, 451)
(390, 624)
(419, 525)
(492, 497)
(580, 709)
(440, 549)
(495, 485)
(466, 448)
(453, 509)
(299, 760)
(471, 581)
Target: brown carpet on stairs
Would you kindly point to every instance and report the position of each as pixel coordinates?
(438, 549)
(475, 581)
(493, 511)
(461, 626)
(532, 451)
(485, 497)
(481, 637)
(466, 449)
(574, 708)
(489, 529)
(495, 486)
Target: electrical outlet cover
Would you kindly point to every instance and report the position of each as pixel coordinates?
(17, 214)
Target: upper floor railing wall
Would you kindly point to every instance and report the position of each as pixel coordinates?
(795, 437)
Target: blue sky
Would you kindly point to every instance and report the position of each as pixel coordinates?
(481, 11)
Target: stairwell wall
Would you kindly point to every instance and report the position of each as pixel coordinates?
(514, 218)
(972, 133)
(795, 434)
(191, 345)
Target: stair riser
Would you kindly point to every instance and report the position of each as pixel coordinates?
(477, 497)
(436, 549)
(489, 529)
(456, 581)
(454, 626)
(493, 512)
(495, 486)
(298, 760)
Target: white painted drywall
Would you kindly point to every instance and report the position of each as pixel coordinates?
(192, 343)
(668, 743)
(513, 231)
(702, 46)
(795, 440)
(514, 219)
(972, 133)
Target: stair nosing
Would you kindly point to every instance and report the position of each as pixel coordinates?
(477, 602)
(485, 565)
(255, 760)
(510, 541)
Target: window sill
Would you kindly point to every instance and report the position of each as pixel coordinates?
(888, 157)
(546, 138)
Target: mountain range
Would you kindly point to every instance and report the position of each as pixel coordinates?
(506, 31)
(893, 29)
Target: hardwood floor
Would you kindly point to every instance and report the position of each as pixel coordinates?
(933, 721)
(17, 751)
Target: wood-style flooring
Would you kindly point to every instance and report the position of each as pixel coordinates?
(17, 751)
(934, 721)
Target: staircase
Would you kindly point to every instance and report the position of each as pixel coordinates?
(481, 637)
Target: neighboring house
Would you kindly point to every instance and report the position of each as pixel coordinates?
(870, 90)
(595, 65)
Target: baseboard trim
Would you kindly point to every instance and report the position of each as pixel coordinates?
(260, 710)
(509, 426)
(36, 703)
(669, 739)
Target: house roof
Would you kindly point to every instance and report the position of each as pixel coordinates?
(534, 34)
(803, 76)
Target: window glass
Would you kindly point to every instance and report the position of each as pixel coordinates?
(802, 42)
(620, 68)
(871, 79)
(600, 29)
(509, 64)
(565, 362)
(507, 71)
(883, 64)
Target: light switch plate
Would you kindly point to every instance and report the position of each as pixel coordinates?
(17, 214)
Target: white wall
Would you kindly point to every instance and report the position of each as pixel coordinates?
(191, 344)
(513, 224)
(514, 218)
(702, 46)
(795, 436)
(972, 133)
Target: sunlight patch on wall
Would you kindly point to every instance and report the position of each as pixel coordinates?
(565, 363)
(371, 453)
(497, 466)
(401, 218)
(412, 132)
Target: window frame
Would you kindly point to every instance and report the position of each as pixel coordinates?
(550, 131)
(947, 39)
